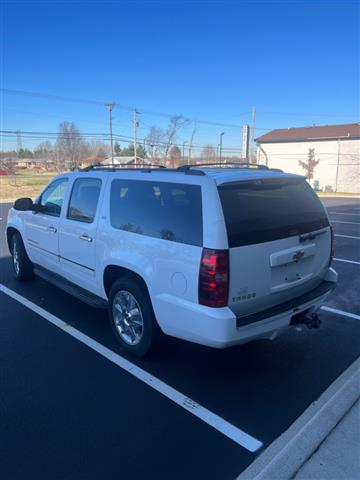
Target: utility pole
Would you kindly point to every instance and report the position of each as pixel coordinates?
(220, 144)
(110, 107)
(252, 138)
(245, 143)
(136, 124)
(18, 140)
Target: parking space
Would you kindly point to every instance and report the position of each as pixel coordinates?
(83, 416)
(66, 412)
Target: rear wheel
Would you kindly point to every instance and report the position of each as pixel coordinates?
(23, 268)
(132, 318)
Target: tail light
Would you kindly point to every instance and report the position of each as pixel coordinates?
(332, 246)
(214, 278)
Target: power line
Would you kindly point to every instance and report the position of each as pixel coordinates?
(304, 114)
(119, 105)
(105, 136)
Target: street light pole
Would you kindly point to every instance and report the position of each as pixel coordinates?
(110, 106)
(221, 136)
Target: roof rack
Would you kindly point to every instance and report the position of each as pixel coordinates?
(110, 166)
(186, 169)
(139, 167)
(223, 164)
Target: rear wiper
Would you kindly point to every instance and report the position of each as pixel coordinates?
(310, 236)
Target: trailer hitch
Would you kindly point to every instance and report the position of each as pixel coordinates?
(311, 320)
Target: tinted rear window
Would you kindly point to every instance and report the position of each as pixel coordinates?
(169, 211)
(262, 211)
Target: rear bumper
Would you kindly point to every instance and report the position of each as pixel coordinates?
(294, 305)
(220, 328)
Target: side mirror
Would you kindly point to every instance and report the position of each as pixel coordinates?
(24, 204)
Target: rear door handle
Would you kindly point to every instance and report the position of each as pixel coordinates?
(52, 229)
(85, 237)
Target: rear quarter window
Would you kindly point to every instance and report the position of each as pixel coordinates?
(267, 210)
(169, 211)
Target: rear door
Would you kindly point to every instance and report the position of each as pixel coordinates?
(279, 240)
(77, 234)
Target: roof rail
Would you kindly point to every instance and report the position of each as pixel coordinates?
(223, 164)
(186, 169)
(99, 166)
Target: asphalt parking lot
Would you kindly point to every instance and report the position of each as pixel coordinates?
(69, 409)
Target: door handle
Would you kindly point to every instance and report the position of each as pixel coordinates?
(52, 229)
(85, 237)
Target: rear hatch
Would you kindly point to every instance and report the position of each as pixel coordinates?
(279, 240)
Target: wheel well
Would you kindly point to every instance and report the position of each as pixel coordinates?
(9, 234)
(114, 272)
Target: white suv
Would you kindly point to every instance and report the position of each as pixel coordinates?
(216, 256)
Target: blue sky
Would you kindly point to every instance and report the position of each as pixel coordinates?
(297, 62)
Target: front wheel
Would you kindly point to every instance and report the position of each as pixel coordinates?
(23, 268)
(132, 318)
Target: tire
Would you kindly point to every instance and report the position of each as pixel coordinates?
(23, 268)
(132, 318)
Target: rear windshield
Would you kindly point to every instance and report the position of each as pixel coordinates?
(265, 210)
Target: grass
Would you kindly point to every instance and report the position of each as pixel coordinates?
(26, 183)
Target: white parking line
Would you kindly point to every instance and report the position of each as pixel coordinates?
(340, 221)
(343, 213)
(346, 261)
(238, 436)
(341, 312)
(347, 236)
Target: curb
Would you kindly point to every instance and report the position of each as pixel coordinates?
(343, 195)
(286, 455)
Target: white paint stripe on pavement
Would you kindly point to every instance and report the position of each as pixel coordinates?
(346, 261)
(341, 312)
(347, 236)
(238, 436)
(340, 221)
(343, 213)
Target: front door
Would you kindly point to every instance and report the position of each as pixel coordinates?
(77, 234)
(42, 226)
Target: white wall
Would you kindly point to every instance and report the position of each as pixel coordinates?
(287, 155)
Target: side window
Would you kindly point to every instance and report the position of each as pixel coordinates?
(52, 198)
(84, 199)
(169, 211)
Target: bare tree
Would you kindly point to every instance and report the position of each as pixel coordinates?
(68, 145)
(310, 164)
(154, 143)
(8, 162)
(159, 142)
(99, 150)
(208, 154)
(191, 142)
(176, 123)
(45, 152)
(174, 156)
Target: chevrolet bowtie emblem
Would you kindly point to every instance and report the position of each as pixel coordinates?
(298, 255)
